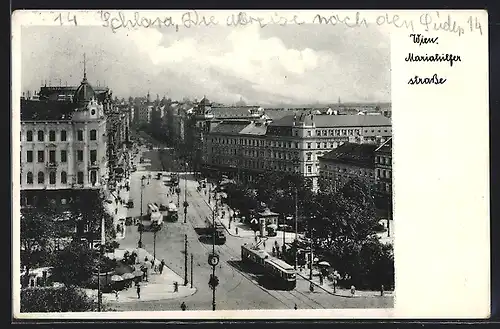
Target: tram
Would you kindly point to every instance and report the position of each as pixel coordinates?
(171, 212)
(155, 215)
(282, 274)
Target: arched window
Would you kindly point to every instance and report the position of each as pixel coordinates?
(64, 177)
(29, 178)
(41, 136)
(93, 135)
(29, 135)
(41, 177)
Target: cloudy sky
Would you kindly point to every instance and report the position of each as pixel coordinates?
(271, 65)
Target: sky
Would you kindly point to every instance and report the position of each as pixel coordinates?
(305, 64)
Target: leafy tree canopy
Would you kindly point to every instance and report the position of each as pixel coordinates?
(63, 299)
(74, 264)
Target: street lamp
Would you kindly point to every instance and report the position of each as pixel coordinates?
(213, 260)
(141, 226)
(296, 162)
(155, 228)
(186, 204)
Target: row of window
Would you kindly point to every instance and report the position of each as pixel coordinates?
(254, 164)
(343, 132)
(282, 144)
(339, 180)
(52, 177)
(63, 156)
(383, 173)
(383, 160)
(358, 173)
(63, 135)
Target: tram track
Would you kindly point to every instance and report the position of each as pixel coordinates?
(288, 298)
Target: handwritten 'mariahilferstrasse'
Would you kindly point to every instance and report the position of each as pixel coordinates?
(450, 58)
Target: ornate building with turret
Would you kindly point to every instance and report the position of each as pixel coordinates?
(64, 144)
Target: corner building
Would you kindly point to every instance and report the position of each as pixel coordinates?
(63, 147)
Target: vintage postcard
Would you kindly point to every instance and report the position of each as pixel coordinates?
(250, 164)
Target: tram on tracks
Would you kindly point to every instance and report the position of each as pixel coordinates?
(282, 274)
(170, 212)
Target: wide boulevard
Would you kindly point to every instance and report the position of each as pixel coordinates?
(238, 289)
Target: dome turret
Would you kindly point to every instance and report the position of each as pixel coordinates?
(85, 93)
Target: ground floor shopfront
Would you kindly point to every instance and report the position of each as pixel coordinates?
(60, 198)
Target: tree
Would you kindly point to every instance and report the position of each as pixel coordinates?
(348, 214)
(345, 228)
(62, 299)
(74, 264)
(89, 210)
(37, 229)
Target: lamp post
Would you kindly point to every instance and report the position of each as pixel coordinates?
(186, 204)
(185, 259)
(213, 260)
(191, 270)
(296, 228)
(156, 228)
(141, 226)
(311, 256)
(209, 192)
(296, 162)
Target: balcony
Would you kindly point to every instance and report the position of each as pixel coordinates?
(51, 165)
(93, 165)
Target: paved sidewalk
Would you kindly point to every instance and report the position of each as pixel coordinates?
(329, 287)
(118, 210)
(159, 286)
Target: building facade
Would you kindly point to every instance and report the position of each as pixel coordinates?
(346, 162)
(291, 144)
(63, 146)
(383, 168)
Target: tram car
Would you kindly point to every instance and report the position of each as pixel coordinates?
(154, 214)
(171, 212)
(282, 274)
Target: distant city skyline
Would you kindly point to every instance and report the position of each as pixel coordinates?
(270, 66)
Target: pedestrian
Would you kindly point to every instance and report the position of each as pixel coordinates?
(236, 231)
(138, 291)
(183, 306)
(162, 264)
(176, 286)
(116, 294)
(295, 307)
(116, 211)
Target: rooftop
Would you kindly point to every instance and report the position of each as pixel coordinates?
(46, 110)
(230, 128)
(362, 155)
(234, 112)
(254, 128)
(327, 121)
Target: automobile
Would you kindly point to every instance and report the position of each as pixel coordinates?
(130, 203)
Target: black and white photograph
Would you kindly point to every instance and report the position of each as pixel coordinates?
(232, 165)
